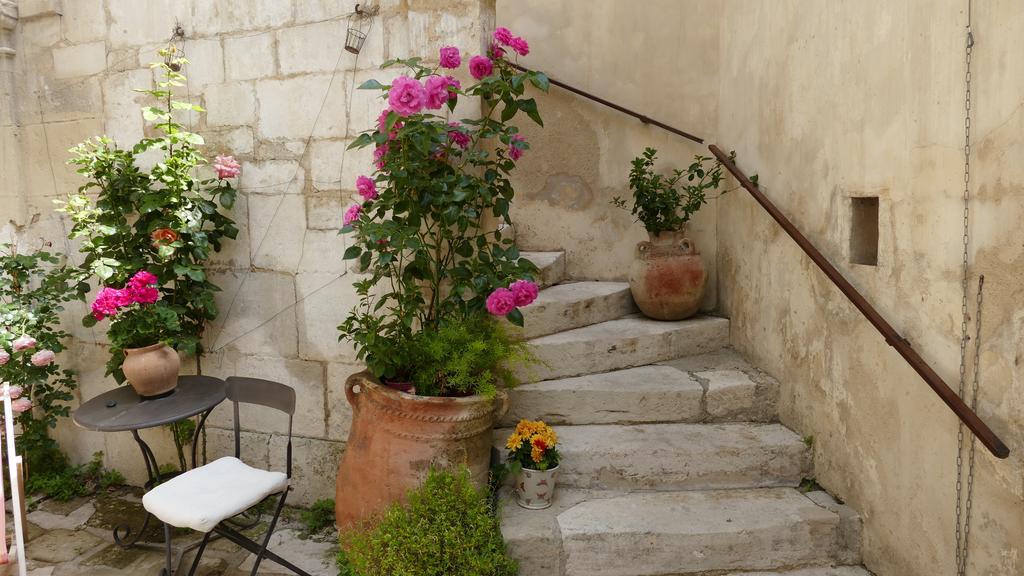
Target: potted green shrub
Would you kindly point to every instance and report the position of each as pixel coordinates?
(667, 277)
(167, 220)
(446, 529)
(436, 276)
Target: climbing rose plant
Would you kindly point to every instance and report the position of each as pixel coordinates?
(166, 220)
(428, 229)
(34, 287)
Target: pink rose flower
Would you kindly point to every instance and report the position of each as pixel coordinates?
(407, 96)
(226, 167)
(43, 358)
(143, 278)
(501, 302)
(352, 214)
(5, 357)
(21, 405)
(366, 187)
(450, 57)
(525, 292)
(24, 342)
(107, 302)
(496, 51)
(378, 155)
(453, 85)
(515, 150)
(480, 67)
(503, 35)
(520, 46)
(437, 92)
(15, 392)
(457, 136)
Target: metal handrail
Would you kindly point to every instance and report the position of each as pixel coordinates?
(614, 106)
(968, 416)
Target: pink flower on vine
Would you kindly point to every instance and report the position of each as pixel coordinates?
(366, 187)
(437, 92)
(516, 146)
(107, 303)
(503, 35)
(141, 288)
(496, 51)
(23, 342)
(450, 57)
(480, 67)
(15, 392)
(453, 86)
(5, 357)
(407, 96)
(21, 405)
(457, 136)
(43, 358)
(520, 46)
(525, 292)
(352, 214)
(226, 167)
(501, 302)
(378, 156)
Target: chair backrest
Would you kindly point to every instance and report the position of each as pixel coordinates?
(275, 395)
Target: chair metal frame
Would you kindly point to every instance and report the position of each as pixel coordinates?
(271, 395)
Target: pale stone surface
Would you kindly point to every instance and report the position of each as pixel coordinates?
(616, 344)
(50, 521)
(62, 545)
(236, 142)
(79, 60)
(551, 266)
(205, 63)
(324, 211)
(132, 26)
(255, 314)
(33, 8)
(249, 56)
(339, 411)
(318, 314)
(218, 17)
(314, 467)
(850, 526)
(271, 177)
(732, 395)
(575, 305)
(678, 456)
(313, 48)
(316, 558)
(288, 108)
(645, 394)
(122, 106)
(696, 532)
(83, 20)
(274, 221)
(230, 104)
(822, 571)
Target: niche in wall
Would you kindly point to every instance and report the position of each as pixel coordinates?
(864, 230)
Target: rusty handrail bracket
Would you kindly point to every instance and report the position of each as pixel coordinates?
(891, 336)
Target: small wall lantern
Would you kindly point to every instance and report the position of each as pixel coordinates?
(358, 26)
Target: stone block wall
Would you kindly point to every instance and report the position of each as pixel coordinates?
(280, 94)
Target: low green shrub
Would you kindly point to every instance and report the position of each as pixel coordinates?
(319, 516)
(446, 529)
(72, 481)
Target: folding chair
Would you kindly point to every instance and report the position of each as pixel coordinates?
(205, 498)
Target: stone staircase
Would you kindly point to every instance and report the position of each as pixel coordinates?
(672, 460)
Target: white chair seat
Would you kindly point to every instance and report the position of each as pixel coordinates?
(201, 498)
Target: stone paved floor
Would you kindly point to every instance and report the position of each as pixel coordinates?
(75, 539)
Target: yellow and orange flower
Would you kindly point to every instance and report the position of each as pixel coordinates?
(536, 435)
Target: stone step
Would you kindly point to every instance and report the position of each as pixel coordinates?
(574, 305)
(727, 532)
(665, 457)
(622, 343)
(551, 266)
(653, 534)
(658, 393)
(815, 571)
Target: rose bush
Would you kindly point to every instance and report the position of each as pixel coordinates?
(428, 232)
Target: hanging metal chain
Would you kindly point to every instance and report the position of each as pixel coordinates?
(964, 502)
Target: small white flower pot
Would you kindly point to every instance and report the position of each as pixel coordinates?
(535, 488)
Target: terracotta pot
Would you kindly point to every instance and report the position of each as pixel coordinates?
(396, 438)
(152, 370)
(536, 488)
(667, 277)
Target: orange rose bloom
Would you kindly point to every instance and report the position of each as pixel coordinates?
(163, 236)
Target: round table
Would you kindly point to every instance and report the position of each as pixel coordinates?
(122, 410)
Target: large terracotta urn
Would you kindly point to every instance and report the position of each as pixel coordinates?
(667, 277)
(151, 370)
(396, 438)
